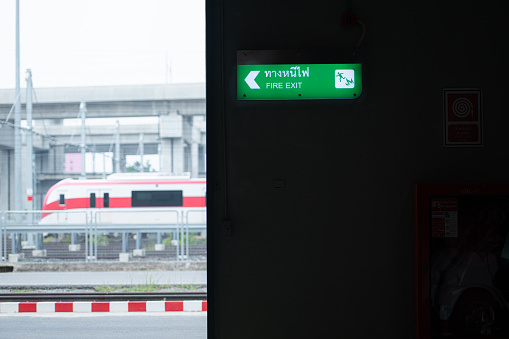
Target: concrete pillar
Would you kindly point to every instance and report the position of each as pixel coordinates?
(165, 155)
(202, 159)
(159, 246)
(27, 205)
(172, 155)
(194, 160)
(43, 162)
(56, 158)
(125, 242)
(4, 179)
(179, 158)
(171, 147)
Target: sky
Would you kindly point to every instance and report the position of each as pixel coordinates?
(71, 43)
(68, 43)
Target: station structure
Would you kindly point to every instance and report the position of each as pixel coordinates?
(170, 122)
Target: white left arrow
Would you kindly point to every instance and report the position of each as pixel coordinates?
(250, 80)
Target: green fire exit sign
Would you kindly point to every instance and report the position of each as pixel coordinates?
(299, 81)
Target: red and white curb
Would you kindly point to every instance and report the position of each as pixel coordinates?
(104, 306)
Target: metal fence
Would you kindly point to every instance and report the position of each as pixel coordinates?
(102, 234)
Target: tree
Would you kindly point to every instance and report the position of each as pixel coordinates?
(136, 167)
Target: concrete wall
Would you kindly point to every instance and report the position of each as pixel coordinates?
(330, 255)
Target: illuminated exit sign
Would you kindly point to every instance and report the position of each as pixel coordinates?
(294, 81)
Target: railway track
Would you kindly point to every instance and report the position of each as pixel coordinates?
(102, 296)
(60, 250)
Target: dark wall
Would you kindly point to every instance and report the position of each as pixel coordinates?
(331, 255)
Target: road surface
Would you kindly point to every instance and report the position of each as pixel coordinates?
(111, 326)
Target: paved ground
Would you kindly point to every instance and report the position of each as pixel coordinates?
(105, 325)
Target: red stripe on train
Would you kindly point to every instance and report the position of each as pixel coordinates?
(119, 182)
(114, 203)
(131, 182)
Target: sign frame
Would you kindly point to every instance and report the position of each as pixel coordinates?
(424, 195)
(298, 75)
(463, 117)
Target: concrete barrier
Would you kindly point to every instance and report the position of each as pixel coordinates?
(104, 306)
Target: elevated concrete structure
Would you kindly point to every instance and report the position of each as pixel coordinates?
(111, 101)
(177, 135)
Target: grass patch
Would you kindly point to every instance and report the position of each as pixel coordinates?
(148, 286)
(24, 290)
(194, 239)
(106, 288)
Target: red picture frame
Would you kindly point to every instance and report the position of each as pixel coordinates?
(424, 194)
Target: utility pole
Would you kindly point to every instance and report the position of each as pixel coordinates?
(29, 141)
(142, 151)
(125, 235)
(104, 165)
(29, 160)
(141, 147)
(74, 246)
(93, 159)
(117, 148)
(83, 146)
(18, 199)
(159, 151)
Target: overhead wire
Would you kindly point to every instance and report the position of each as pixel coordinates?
(363, 25)
(38, 111)
(55, 140)
(75, 128)
(12, 108)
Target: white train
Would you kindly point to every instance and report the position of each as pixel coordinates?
(126, 199)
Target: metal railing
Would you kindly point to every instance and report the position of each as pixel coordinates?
(91, 223)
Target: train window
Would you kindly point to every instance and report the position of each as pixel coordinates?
(92, 200)
(156, 198)
(106, 200)
(62, 199)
